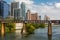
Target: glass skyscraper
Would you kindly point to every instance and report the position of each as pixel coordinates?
(1, 9)
(23, 11)
(4, 9)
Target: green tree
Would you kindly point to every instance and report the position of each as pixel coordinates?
(42, 25)
(30, 28)
(10, 26)
(36, 25)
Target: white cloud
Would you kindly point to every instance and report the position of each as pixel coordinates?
(43, 9)
(26, 1)
(50, 9)
(57, 5)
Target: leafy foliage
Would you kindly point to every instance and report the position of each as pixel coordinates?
(10, 26)
(42, 25)
(31, 27)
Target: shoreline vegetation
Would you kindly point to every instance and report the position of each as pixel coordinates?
(30, 27)
(9, 27)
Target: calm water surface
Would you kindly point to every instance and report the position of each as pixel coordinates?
(40, 34)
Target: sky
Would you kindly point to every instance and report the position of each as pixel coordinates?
(50, 8)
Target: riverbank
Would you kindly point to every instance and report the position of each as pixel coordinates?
(8, 27)
(53, 25)
(30, 27)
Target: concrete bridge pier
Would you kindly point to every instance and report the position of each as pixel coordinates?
(49, 28)
(3, 29)
(49, 37)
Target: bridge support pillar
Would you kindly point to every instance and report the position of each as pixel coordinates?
(3, 29)
(49, 28)
(49, 37)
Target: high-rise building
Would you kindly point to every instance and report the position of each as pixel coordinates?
(4, 9)
(23, 10)
(28, 15)
(34, 16)
(46, 17)
(13, 6)
(17, 14)
(39, 17)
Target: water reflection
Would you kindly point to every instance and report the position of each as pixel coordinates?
(21, 37)
(2, 36)
(49, 37)
(40, 34)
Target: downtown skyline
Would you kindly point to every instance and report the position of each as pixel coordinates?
(43, 7)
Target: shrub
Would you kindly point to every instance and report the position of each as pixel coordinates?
(42, 25)
(30, 28)
(10, 26)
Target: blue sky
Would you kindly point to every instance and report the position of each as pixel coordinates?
(38, 1)
(45, 1)
(43, 7)
(7, 1)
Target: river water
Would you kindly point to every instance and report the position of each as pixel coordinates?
(40, 34)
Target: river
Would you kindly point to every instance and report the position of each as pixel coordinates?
(40, 34)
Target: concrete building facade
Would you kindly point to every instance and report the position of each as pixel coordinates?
(39, 17)
(28, 14)
(13, 6)
(32, 16)
(46, 17)
(17, 13)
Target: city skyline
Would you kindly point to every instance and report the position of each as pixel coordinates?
(44, 7)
